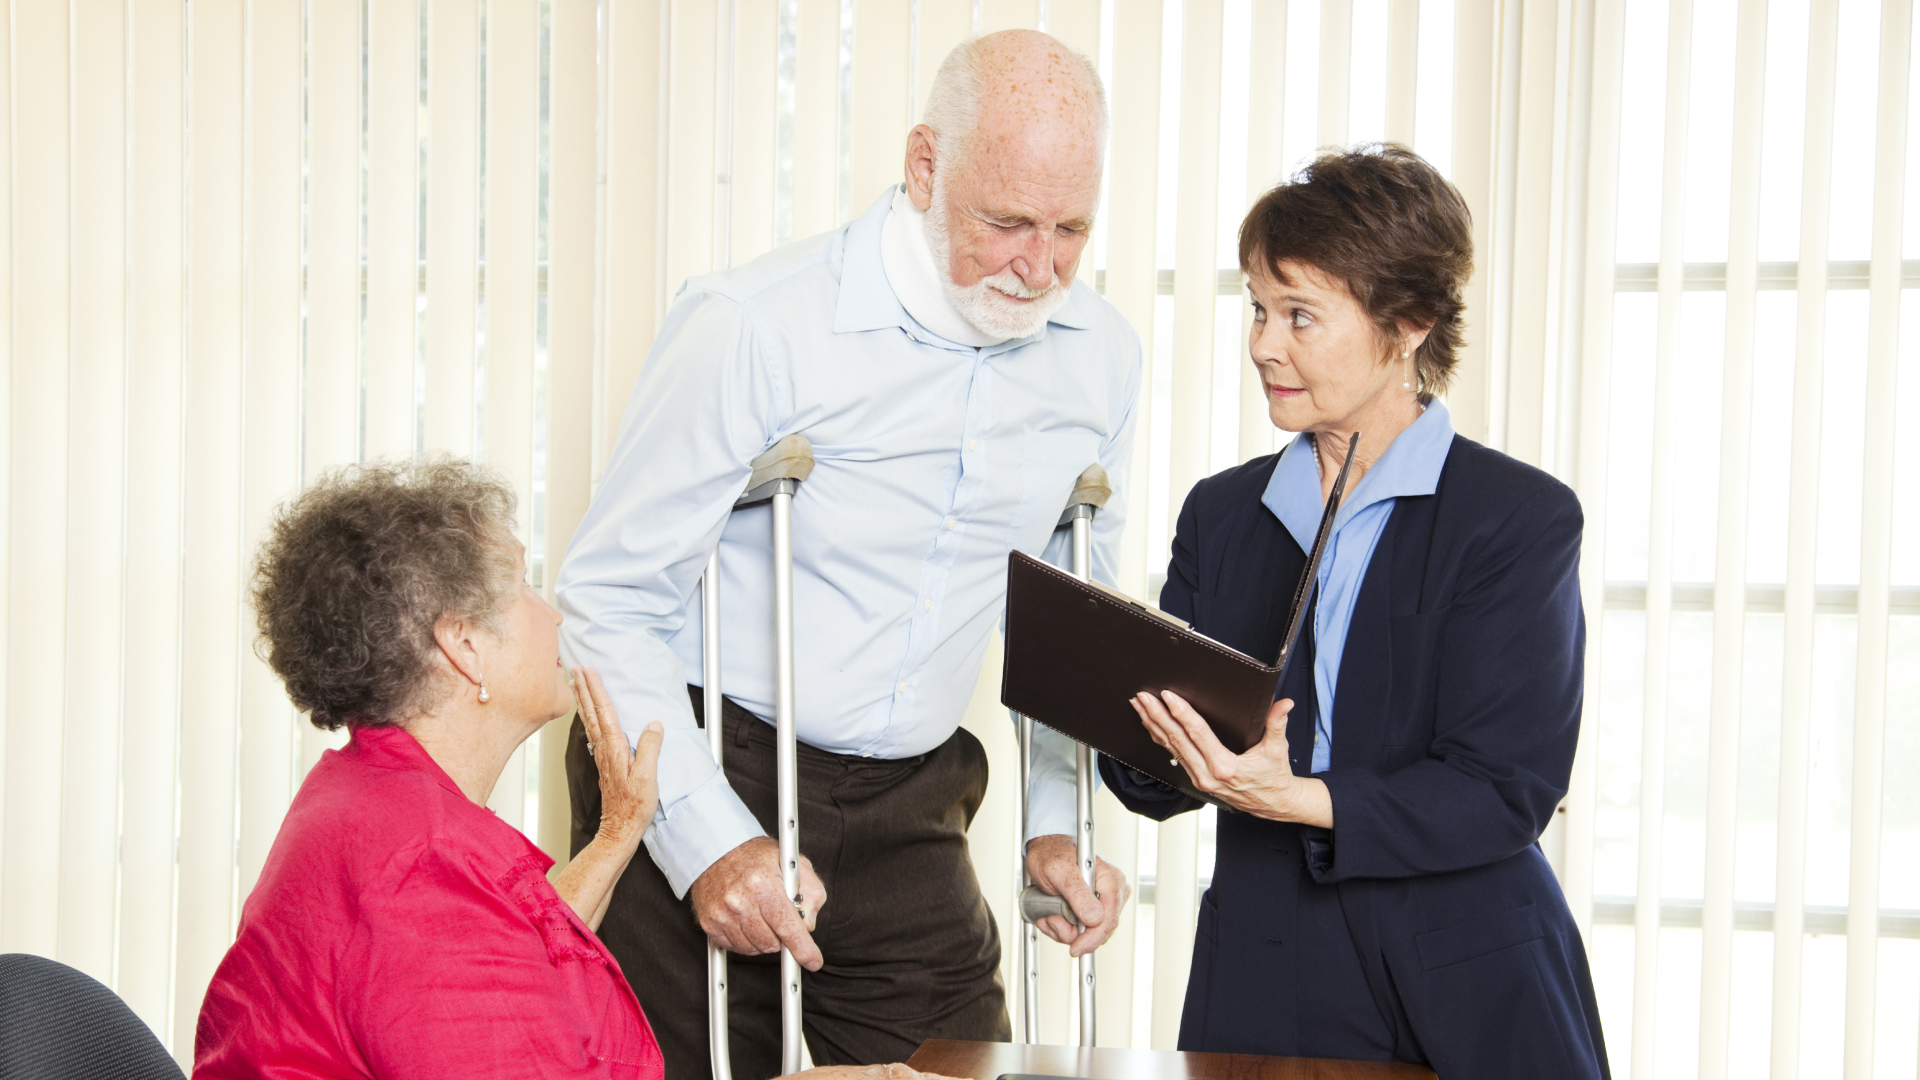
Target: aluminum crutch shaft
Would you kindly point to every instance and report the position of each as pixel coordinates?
(1027, 940)
(787, 760)
(776, 476)
(1090, 492)
(717, 1023)
(1083, 791)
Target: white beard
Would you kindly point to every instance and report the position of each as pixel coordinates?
(987, 304)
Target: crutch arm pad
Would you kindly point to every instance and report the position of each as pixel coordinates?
(789, 459)
(1091, 489)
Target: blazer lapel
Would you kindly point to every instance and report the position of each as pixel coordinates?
(1365, 683)
(1297, 684)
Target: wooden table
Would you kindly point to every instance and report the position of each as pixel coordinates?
(989, 1060)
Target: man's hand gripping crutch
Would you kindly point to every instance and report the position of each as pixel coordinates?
(742, 906)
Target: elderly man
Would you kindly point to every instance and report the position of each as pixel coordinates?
(954, 379)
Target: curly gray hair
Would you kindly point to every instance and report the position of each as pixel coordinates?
(356, 571)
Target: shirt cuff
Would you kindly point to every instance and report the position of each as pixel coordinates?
(1051, 787)
(709, 822)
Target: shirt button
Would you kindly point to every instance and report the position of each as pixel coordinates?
(950, 524)
(903, 686)
(973, 444)
(929, 605)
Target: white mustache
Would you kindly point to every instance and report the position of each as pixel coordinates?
(1009, 282)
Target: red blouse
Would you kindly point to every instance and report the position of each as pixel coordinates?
(400, 930)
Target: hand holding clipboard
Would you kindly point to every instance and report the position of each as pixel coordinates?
(1077, 653)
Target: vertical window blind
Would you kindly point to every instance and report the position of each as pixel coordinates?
(1751, 865)
(253, 240)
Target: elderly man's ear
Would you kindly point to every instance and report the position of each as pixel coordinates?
(920, 167)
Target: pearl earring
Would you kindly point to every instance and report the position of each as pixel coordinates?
(483, 693)
(1407, 382)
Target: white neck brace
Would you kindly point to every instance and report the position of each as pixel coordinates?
(915, 277)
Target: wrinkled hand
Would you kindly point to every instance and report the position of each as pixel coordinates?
(629, 791)
(1054, 864)
(628, 795)
(895, 1071)
(1260, 782)
(742, 907)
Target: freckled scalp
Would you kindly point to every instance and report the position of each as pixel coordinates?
(999, 88)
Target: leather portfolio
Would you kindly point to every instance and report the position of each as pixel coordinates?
(1077, 652)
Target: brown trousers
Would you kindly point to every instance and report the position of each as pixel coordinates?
(912, 952)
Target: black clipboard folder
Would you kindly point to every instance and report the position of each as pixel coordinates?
(1077, 652)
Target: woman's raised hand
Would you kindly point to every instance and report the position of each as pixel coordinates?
(1260, 782)
(629, 790)
(628, 795)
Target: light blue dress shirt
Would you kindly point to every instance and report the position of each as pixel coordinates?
(1411, 466)
(933, 460)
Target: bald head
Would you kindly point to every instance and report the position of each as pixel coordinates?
(1015, 86)
(1007, 167)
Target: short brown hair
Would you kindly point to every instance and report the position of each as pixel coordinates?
(1389, 227)
(356, 571)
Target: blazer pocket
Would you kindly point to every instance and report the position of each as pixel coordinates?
(1420, 631)
(1416, 676)
(1206, 926)
(1477, 937)
(1197, 1010)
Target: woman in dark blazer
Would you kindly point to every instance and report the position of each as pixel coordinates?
(1378, 892)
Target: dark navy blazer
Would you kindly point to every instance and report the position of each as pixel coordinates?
(1426, 925)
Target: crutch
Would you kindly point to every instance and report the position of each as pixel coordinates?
(1090, 493)
(776, 476)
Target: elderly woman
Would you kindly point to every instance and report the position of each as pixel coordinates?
(1378, 892)
(399, 928)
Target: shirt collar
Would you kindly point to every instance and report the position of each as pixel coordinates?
(868, 300)
(1410, 466)
(396, 748)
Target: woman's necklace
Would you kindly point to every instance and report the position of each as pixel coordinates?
(1362, 462)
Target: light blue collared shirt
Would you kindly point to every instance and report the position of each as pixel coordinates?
(1410, 466)
(933, 460)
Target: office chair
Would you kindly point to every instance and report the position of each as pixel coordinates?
(58, 1024)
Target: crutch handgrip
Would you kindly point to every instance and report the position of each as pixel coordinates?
(1036, 904)
(1090, 493)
